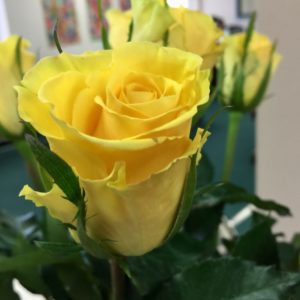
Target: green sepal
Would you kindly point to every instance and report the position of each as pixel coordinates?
(19, 57)
(104, 33)
(237, 95)
(220, 81)
(56, 39)
(130, 31)
(259, 96)
(97, 249)
(249, 34)
(166, 39)
(57, 168)
(187, 197)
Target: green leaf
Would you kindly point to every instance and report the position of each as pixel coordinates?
(32, 258)
(296, 240)
(186, 199)
(59, 248)
(58, 169)
(228, 193)
(258, 245)
(288, 257)
(148, 271)
(31, 279)
(79, 282)
(6, 289)
(55, 285)
(229, 279)
(203, 224)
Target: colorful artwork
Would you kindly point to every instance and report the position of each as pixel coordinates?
(62, 11)
(124, 4)
(95, 26)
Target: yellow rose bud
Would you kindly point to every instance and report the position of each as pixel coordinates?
(256, 64)
(151, 19)
(9, 77)
(121, 119)
(196, 32)
(119, 23)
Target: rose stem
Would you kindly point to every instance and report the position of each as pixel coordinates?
(117, 280)
(233, 128)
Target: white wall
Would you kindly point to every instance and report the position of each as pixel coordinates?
(278, 134)
(4, 30)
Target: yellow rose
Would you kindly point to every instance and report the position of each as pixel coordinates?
(151, 19)
(190, 30)
(259, 55)
(196, 32)
(9, 77)
(121, 118)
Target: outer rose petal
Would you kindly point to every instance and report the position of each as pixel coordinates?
(58, 207)
(9, 77)
(49, 67)
(96, 161)
(134, 219)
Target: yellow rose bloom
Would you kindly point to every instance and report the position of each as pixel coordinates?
(121, 119)
(196, 32)
(189, 30)
(260, 51)
(9, 77)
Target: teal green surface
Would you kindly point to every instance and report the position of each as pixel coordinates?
(13, 176)
(243, 173)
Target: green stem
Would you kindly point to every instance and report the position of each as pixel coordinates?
(32, 166)
(117, 281)
(233, 128)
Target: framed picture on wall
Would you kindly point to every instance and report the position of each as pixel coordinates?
(64, 12)
(245, 8)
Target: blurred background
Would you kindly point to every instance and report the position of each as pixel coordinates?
(269, 142)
